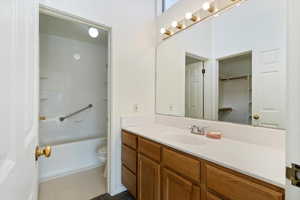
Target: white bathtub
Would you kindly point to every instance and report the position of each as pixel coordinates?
(70, 158)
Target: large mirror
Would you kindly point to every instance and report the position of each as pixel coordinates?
(230, 67)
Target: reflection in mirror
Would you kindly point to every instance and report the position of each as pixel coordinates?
(243, 53)
(235, 93)
(194, 87)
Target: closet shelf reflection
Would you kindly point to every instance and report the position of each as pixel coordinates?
(235, 78)
(225, 109)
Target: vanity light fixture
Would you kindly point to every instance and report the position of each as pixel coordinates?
(208, 6)
(190, 16)
(209, 9)
(217, 12)
(165, 31)
(175, 24)
(238, 4)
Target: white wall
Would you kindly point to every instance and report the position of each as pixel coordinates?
(67, 85)
(132, 59)
(170, 66)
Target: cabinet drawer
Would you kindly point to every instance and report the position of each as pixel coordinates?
(149, 149)
(129, 158)
(238, 188)
(210, 196)
(129, 139)
(182, 164)
(129, 181)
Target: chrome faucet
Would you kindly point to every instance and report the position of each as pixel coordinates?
(197, 130)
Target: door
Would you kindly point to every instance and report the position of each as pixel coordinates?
(194, 90)
(18, 110)
(148, 179)
(293, 82)
(269, 93)
(178, 188)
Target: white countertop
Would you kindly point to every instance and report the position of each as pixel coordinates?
(261, 162)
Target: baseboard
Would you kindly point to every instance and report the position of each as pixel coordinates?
(118, 190)
(59, 175)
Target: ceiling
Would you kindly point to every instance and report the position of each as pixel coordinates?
(191, 60)
(69, 29)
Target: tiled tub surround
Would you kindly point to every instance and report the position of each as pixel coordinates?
(254, 151)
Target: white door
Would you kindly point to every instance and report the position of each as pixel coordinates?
(268, 88)
(194, 91)
(18, 97)
(293, 74)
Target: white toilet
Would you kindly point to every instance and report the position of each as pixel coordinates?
(102, 156)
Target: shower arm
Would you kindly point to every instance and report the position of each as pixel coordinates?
(75, 113)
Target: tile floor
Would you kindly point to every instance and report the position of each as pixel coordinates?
(122, 196)
(80, 186)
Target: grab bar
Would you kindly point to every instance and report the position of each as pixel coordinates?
(75, 113)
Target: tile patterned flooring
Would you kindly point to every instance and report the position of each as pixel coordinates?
(122, 196)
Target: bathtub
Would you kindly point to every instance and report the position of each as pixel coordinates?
(70, 158)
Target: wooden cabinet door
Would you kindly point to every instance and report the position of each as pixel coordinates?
(129, 181)
(210, 196)
(148, 179)
(178, 188)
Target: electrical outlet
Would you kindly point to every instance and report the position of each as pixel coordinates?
(171, 107)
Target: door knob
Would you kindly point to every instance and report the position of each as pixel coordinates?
(256, 116)
(46, 151)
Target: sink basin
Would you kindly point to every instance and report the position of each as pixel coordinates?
(185, 139)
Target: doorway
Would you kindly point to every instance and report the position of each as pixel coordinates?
(194, 87)
(74, 107)
(235, 89)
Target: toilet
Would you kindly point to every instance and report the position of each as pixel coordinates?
(102, 157)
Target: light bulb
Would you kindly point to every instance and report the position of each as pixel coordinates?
(206, 6)
(174, 24)
(188, 15)
(93, 32)
(163, 31)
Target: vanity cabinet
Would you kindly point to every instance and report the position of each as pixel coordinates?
(234, 186)
(129, 162)
(182, 164)
(176, 187)
(211, 196)
(148, 179)
(152, 171)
